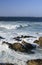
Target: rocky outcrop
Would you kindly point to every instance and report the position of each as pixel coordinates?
(35, 62)
(39, 41)
(22, 47)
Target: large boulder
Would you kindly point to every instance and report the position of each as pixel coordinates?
(35, 62)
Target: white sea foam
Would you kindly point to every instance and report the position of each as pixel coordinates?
(11, 30)
(10, 26)
(9, 56)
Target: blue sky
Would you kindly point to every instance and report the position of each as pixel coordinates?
(21, 8)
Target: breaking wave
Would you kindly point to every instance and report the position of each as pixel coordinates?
(12, 26)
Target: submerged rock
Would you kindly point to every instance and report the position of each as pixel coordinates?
(35, 62)
(39, 41)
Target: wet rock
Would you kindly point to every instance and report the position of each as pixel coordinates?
(24, 42)
(35, 62)
(28, 45)
(22, 36)
(18, 47)
(36, 41)
(22, 47)
(6, 64)
(1, 37)
(39, 41)
(9, 44)
(18, 38)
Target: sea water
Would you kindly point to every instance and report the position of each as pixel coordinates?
(11, 29)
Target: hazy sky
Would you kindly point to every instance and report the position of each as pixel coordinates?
(20, 7)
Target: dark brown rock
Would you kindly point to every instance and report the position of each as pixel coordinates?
(35, 62)
(22, 47)
(36, 41)
(40, 41)
(18, 47)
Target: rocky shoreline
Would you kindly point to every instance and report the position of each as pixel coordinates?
(25, 47)
(22, 47)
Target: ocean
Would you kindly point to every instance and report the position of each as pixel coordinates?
(11, 29)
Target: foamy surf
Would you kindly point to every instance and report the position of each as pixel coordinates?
(9, 30)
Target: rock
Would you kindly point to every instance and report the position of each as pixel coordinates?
(9, 44)
(35, 62)
(18, 47)
(17, 38)
(36, 41)
(6, 64)
(24, 42)
(39, 41)
(1, 37)
(28, 44)
(22, 47)
(26, 36)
